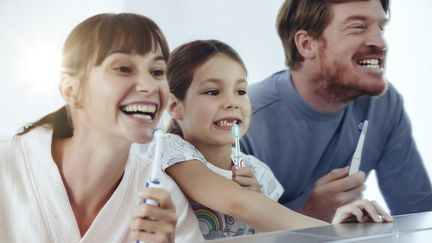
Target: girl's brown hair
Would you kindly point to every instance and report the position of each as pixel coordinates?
(185, 60)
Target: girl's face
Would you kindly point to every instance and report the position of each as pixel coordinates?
(125, 96)
(215, 100)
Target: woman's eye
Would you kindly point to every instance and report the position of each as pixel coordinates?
(241, 92)
(212, 92)
(123, 69)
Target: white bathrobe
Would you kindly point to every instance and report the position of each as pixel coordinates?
(34, 206)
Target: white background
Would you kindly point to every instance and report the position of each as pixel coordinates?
(32, 34)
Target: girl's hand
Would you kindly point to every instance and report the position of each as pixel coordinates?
(246, 178)
(361, 211)
(154, 223)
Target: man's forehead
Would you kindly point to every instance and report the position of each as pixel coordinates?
(358, 9)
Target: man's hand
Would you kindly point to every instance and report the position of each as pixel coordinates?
(361, 211)
(332, 191)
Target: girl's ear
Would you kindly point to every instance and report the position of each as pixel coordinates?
(306, 45)
(69, 90)
(175, 108)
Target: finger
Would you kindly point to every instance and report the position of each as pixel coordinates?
(384, 214)
(347, 183)
(347, 213)
(145, 211)
(151, 237)
(246, 181)
(245, 171)
(350, 196)
(159, 194)
(369, 210)
(335, 174)
(152, 226)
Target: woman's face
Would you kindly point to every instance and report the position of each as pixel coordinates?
(124, 97)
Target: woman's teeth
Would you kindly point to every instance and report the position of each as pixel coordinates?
(140, 111)
(140, 108)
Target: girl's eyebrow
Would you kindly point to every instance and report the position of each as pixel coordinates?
(216, 80)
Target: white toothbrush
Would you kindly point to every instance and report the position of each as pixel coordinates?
(356, 159)
(235, 130)
(154, 177)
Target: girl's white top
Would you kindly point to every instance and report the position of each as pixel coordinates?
(213, 224)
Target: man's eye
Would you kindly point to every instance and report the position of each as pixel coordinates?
(358, 26)
(123, 69)
(212, 92)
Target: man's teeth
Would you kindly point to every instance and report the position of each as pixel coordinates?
(225, 123)
(369, 63)
(140, 108)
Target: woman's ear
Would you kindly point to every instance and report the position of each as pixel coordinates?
(175, 107)
(306, 45)
(69, 90)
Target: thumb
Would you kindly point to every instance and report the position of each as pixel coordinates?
(335, 174)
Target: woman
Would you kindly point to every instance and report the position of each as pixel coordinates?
(70, 177)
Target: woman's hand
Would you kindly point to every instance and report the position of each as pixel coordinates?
(361, 211)
(246, 178)
(154, 223)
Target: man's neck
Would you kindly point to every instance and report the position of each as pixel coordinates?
(312, 94)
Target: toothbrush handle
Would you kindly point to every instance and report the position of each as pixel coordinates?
(151, 183)
(238, 162)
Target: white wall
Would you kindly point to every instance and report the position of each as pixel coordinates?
(32, 33)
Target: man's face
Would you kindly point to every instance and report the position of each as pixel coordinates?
(352, 52)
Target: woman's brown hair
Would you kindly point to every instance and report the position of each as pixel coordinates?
(89, 43)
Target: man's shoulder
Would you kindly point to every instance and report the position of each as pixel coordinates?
(390, 99)
(265, 92)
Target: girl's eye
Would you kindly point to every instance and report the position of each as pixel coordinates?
(158, 73)
(123, 69)
(241, 92)
(212, 92)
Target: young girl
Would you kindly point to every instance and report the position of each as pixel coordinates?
(70, 177)
(207, 80)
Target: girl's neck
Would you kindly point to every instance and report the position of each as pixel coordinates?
(219, 156)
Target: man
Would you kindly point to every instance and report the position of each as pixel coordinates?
(305, 122)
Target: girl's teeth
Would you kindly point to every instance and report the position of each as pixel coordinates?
(225, 123)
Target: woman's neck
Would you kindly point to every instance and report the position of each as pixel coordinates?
(91, 171)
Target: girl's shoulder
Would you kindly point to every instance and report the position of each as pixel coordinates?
(174, 150)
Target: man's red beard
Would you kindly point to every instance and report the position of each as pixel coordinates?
(337, 82)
